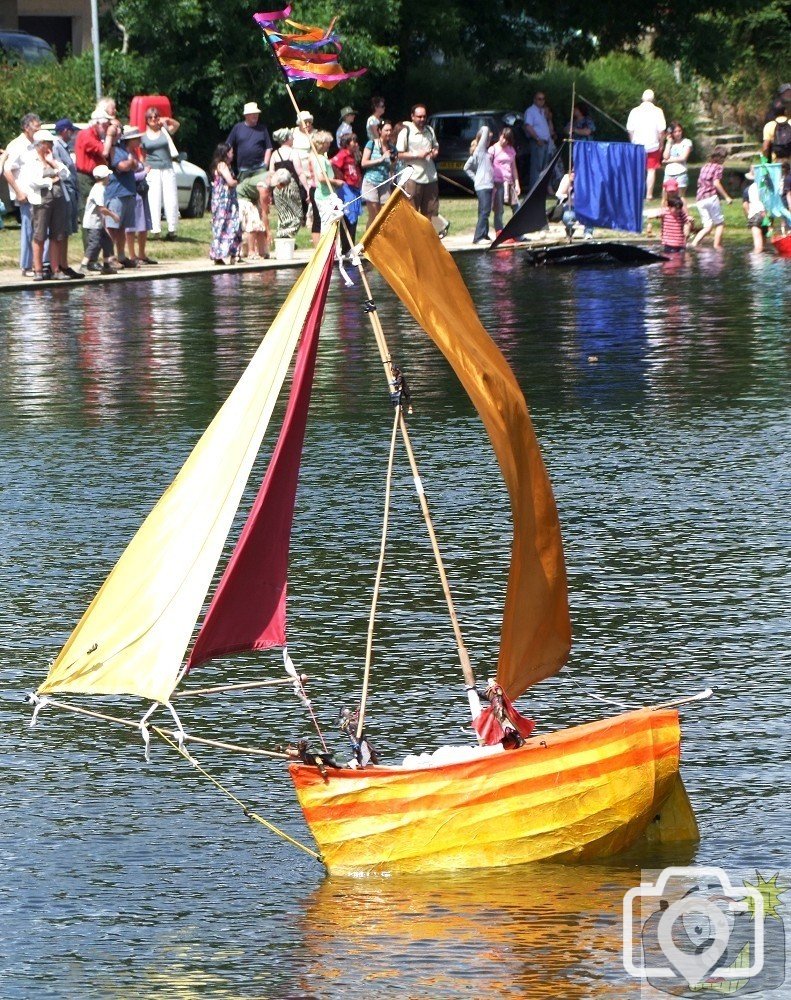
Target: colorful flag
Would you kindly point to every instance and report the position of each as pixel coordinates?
(298, 50)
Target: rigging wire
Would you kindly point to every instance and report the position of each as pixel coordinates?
(226, 791)
(135, 724)
(596, 108)
(379, 570)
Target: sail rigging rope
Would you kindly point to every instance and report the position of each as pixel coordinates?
(595, 107)
(138, 724)
(248, 812)
(379, 570)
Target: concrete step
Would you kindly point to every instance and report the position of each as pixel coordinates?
(747, 155)
(744, 147)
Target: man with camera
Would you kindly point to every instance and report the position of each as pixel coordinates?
(417, 147)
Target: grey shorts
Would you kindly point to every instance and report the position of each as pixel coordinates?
(376, 195)
(125, 209)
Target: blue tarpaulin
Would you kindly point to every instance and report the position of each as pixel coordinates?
(609, 184)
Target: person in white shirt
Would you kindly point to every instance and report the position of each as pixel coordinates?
(41, 178)
(98, 239)
(417, 147)
(540, 132)
(17, 151)
(647, 127)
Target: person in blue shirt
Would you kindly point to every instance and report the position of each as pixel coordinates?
(121, 191)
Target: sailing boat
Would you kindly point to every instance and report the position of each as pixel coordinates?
(608, 192)
(582, 793)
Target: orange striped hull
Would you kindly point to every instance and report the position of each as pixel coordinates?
(576, 795)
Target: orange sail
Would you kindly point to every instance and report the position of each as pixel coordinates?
(536, 631)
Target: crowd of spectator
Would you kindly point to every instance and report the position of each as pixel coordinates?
(107, 180)
(114, 182)
(311, 176)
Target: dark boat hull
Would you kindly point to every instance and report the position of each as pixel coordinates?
(594, 252)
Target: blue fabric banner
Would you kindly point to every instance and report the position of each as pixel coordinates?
(609, 184)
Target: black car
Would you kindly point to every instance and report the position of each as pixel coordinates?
(20, 47)
(455, 130)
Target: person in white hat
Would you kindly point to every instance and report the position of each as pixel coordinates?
(251, 143)
(647, 127)
(41, 177)
(98, 239)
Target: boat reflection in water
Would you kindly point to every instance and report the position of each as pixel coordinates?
(483, 934)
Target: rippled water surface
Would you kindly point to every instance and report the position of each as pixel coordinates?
(660, 397)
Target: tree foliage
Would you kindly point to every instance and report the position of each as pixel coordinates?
(210, 57)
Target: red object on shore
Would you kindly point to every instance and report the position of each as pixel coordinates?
(141, 104)
(782, 245)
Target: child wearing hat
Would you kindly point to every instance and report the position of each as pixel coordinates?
(97, 237)
(348, 114)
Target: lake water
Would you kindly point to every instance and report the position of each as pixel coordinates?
(660, 397)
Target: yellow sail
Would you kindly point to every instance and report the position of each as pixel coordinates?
(536, 632)
(133, 637)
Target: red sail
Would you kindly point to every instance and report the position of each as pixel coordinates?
(248, 610)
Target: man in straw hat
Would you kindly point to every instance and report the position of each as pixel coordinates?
(647, 127)
(251, 143)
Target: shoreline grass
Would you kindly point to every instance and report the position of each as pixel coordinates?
(195, 234)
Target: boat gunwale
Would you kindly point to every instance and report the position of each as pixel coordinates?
(553, 740)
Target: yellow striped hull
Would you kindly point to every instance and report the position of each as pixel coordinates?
(577, 795)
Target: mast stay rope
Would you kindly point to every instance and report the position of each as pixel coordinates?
(227, 792)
